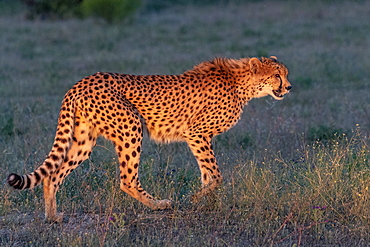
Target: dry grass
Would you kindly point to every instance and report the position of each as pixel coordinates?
(282, 186)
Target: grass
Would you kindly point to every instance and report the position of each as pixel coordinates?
(296, 171)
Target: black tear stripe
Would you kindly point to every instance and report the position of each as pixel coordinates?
(281, 84)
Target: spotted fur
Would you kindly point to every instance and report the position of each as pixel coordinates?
(192, 107)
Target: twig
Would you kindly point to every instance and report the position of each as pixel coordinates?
(287, 219)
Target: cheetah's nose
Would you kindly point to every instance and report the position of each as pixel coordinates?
(288, 87)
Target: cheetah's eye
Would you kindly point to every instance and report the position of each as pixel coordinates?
(277, 75)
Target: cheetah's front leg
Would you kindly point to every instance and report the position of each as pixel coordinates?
(210, 173)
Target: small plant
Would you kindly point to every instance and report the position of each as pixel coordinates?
(324, 133)
(51, 8)
(8, 128)
(110, 10)
(118, 220)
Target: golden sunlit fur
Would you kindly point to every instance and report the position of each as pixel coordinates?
(192, 107)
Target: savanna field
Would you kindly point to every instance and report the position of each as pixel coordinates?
(296, 172)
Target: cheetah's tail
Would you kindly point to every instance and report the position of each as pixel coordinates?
(62, 143)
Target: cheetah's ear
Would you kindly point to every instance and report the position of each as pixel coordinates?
(273, 57)
(255, 65)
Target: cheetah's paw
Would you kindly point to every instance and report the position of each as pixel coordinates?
(164, 204)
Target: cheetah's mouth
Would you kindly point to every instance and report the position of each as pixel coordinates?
(277, 94)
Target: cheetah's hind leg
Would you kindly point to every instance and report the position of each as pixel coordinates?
(84, 139)
(126, 132)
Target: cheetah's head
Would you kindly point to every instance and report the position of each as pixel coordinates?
(271, 77)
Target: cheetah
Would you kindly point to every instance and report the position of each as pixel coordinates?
(192, 107)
